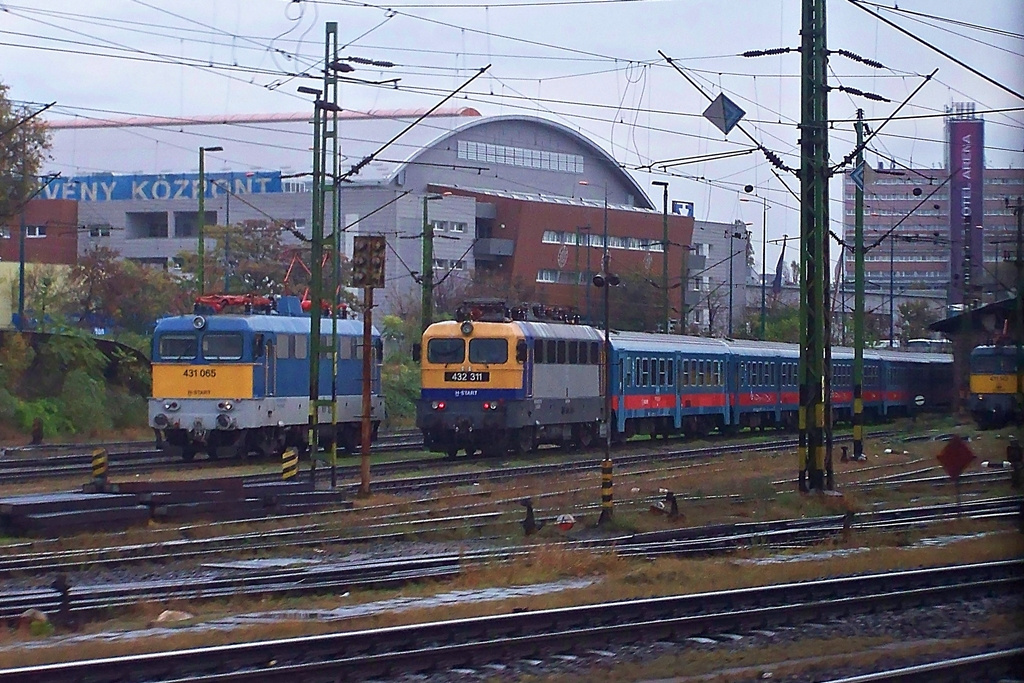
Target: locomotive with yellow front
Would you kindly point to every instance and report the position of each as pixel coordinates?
(234, 384)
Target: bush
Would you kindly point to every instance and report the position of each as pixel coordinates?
(401, 383)
(126, 410)
(83, 403)
(48, 411)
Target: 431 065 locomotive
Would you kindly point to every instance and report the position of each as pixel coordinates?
(231, 384)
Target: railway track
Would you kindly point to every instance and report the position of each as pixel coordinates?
(30, 463)
(334, 576)
(474, 642)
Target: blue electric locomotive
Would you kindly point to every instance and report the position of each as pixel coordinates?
(234, 384)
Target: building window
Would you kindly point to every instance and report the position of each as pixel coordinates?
(142, 224)
(5, 232)
(455, 226)
(35, 231)
(99, 231)
(519, 156)
(547, 276)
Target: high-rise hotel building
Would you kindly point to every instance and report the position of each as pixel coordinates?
(950, 229)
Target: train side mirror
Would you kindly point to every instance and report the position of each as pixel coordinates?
(416, 351)
(521, 351)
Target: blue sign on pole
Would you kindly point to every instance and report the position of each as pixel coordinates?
(724, 113)
(857, 176)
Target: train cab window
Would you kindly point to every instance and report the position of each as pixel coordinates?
(283, 347)
(561, 352)
(446, 350)
(178, 347)
(483, 350)
(356, 345)
(595, 353)
(574, 353)
(538, 351)
(222, 346)
(299, 344)
(552, 352)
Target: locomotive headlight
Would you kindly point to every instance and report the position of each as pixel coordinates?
(466, 328)
(223, 421)
(160, 420)
(225, 405)
(171, 406)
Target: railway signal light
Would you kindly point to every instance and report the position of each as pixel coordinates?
(368, 261)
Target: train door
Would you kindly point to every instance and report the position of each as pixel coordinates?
(270, 354)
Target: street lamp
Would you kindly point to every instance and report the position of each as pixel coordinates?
(664, 252)
(764, 243)
(202, 215)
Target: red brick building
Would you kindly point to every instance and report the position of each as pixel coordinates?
(554, 245)
(51, 233)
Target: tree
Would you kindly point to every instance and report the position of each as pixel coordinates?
(915, 317)
(108, 291)
(24, 141)
(254, 255)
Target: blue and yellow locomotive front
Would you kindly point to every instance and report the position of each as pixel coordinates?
(997, 375)
(234, 384)
(472, 384)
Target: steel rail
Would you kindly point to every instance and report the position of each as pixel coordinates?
(715, 539)
(358, 655)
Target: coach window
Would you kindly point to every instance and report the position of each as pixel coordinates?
(662, 372)
(538, 351)
(446, 350)
(483, 350)
(629, 372)
(178, 347)
(574, 353)
(700, 373)
(671, 373)
(718, 373)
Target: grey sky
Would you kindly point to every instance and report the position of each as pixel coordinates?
(593, 66)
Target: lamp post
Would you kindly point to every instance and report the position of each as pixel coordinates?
(892, 279)
(427, 300)
(201, 251)
(764, 244)
(664, 251)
